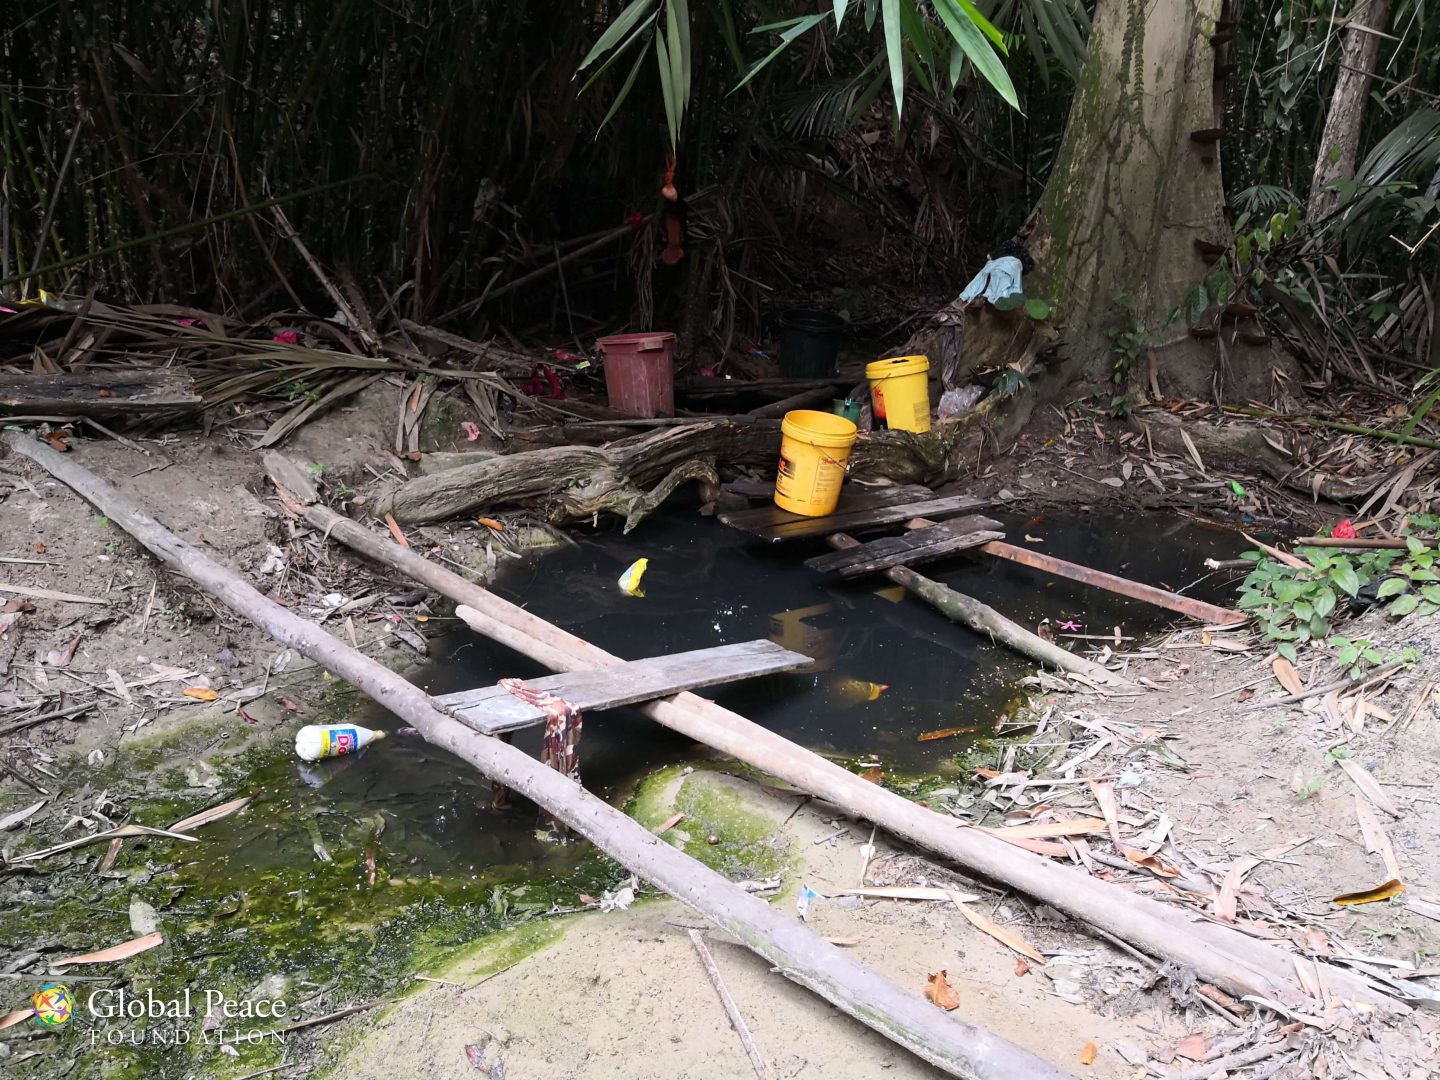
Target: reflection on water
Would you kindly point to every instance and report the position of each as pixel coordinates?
(887, 670)
(792, 630)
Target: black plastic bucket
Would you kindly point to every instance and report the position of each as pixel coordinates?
(809, 343)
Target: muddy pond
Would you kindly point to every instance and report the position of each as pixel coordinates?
(342, 878)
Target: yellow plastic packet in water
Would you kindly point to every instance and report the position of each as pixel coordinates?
(630, 579)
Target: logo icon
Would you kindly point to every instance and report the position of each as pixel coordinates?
(54, 1006)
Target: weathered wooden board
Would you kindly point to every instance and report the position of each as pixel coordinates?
(493, 710)
(852, 500)
(780, 387)
(102, 392)
(803, 527)
(922, 545)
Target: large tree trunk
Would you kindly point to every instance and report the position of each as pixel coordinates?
(1136, 185)
(1340, 143)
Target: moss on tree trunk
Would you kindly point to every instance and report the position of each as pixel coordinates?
(1136, 184)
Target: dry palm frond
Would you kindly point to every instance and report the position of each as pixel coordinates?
(235, 365)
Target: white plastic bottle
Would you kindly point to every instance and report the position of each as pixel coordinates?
(316, 741)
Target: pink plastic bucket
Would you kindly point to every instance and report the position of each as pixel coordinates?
(639, 373)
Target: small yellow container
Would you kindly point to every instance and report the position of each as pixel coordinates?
(900, 392)
(814, 447)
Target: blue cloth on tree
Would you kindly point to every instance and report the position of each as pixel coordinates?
(996, 280)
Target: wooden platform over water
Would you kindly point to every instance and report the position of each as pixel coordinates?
(493, 710)
(857, 509)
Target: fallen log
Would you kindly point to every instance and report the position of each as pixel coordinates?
(984, 619)
(1219, 954)
(124, 392)
(574, 483)
(946, 1041)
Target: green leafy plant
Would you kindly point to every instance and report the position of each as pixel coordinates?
(1009, 382)
(1308, 789)
(1038, 308)
(1294, 605)
(1129, 341)
(300, 390)
(932, 50)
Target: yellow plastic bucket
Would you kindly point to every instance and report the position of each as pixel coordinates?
(900, 392)
(814, 447)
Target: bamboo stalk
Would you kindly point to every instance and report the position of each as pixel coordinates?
(1219, 954)
(1358, 543)
(178, 230)
(1335, 425)
(948, 1042)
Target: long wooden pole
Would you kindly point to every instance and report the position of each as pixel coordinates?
(984, 619)
(946, 1041)
(1218, 954)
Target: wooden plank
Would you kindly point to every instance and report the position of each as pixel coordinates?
(124, 391)
(910, 541)
(921, 545)
(710, 386)
(751, 489)
(961, 542)
(851, 501)
(492, 710)
(1198, 610)
(864, 519)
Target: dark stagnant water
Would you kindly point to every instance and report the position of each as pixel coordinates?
(709, 585)
(415, 865)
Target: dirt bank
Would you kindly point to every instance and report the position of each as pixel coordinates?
(623, 993)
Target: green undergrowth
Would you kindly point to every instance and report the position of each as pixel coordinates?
(1294, 605)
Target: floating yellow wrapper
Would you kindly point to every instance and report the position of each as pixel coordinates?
(630, 579)
(1393, 887)
(845, 692)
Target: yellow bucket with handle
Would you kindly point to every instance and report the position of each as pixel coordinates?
(814, 448)
(900, 392)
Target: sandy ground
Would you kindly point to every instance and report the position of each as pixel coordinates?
(150, 628)
(623, 994)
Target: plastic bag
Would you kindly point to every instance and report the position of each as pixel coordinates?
(960, 400)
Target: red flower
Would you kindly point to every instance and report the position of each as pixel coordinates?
(1345, 530)
(635, 219)
(287, 337)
